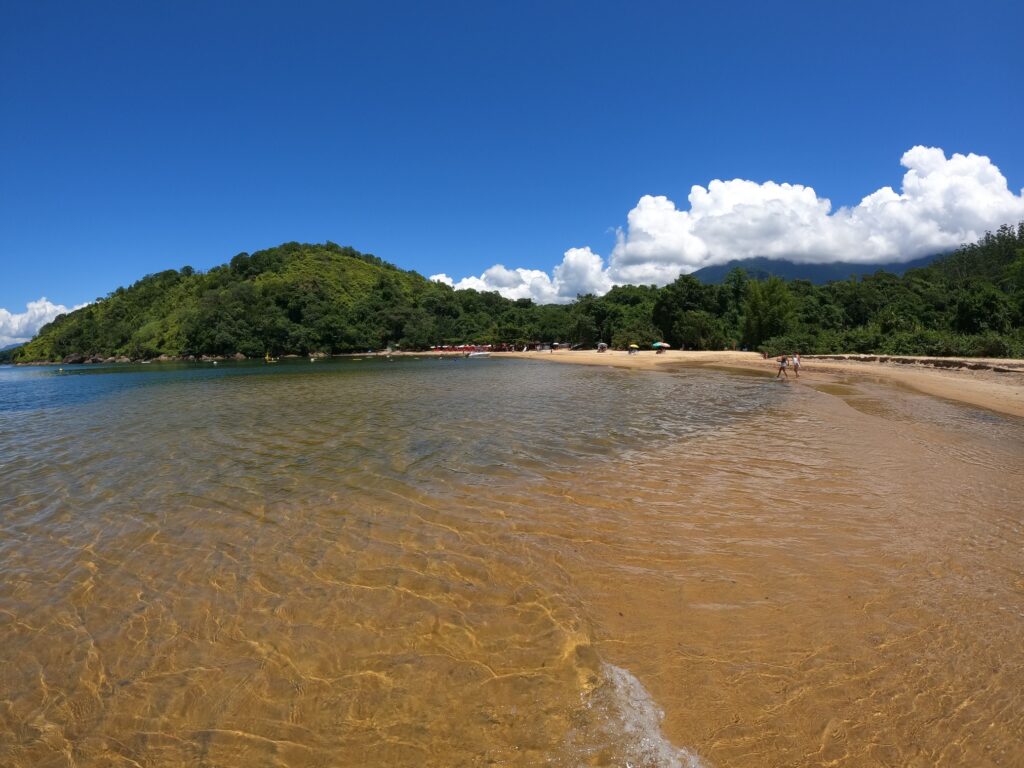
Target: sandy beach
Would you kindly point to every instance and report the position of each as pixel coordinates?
(1002, 392)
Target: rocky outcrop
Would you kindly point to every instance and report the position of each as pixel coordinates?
(80, 359)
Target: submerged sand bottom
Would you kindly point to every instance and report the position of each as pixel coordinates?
(852, 597)
(836, 580)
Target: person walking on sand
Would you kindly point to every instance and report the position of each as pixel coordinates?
(796, 364)
(783, 361)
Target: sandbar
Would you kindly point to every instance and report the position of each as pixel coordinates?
(1000, 390)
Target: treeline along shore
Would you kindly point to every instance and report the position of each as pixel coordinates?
(327, 299)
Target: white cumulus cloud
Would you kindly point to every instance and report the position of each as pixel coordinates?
(16, 328)
(581, 271)
(944, 202)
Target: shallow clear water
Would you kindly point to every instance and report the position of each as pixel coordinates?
(464, 562)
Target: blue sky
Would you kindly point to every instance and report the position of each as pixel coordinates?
(452, 136)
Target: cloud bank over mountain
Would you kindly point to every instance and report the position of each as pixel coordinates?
(944, 202)
(20, 327)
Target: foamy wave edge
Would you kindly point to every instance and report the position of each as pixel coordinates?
(637, 717)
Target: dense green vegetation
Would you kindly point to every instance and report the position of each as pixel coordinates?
(970, 303)
(304, 299)
(295, 298)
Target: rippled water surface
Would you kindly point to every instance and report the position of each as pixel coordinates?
(503, 562)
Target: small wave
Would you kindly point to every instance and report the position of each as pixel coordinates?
(630, 721)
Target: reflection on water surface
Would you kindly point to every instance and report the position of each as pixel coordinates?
(493, 561)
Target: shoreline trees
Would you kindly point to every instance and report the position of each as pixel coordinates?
(304, 299)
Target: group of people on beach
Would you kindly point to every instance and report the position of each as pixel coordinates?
(786, 362)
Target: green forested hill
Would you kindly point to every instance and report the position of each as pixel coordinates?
(970, 303)
(294, 298)
(301, 298)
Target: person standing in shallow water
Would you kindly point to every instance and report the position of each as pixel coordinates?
(782, 367)
(796, 364)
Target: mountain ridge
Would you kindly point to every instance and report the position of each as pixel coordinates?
(762, 267)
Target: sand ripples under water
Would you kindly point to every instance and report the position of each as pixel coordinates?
(501, 562)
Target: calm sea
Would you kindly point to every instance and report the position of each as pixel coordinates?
(451, 562)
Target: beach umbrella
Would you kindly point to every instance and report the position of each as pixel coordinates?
(634, 346)
(661, 344)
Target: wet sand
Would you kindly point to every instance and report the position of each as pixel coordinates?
(1000, 392)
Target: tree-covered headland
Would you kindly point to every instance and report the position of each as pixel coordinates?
(303, 299)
